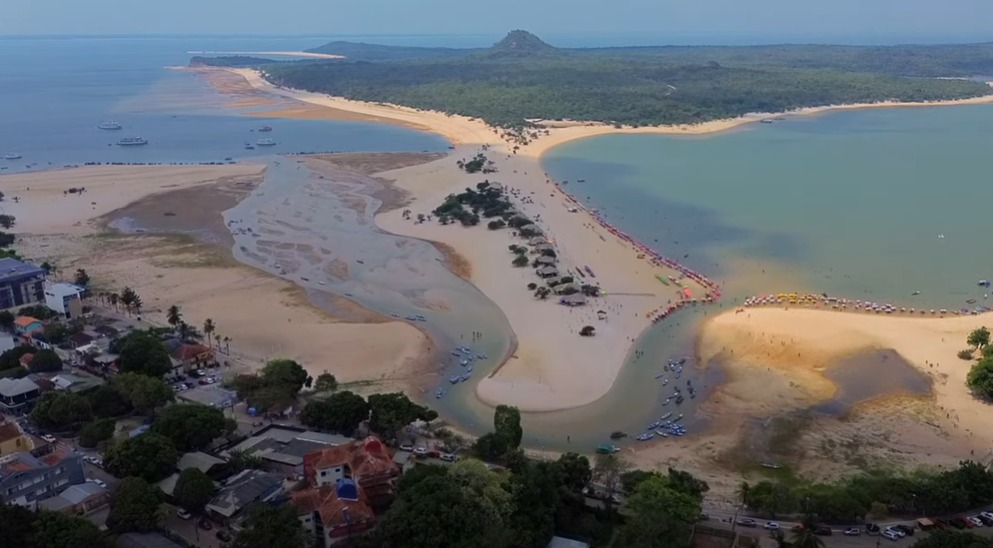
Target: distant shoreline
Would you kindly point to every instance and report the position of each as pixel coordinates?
(307, 54)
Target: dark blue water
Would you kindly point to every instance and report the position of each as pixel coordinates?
(56, 92)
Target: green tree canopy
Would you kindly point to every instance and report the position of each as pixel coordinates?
(271, 527)
(685, 483)
(190, 427)
(143, 352)
(392, 412)
(979, 338)
(341, 412)
(44, 361)
(17, 524)
(134, 507)
(507, 425)
(980, 378)
(659, 515)
(326, 382)
(575, 470)
(949, 538)
(535, 493)
(107, 401)
(149, 456)
(61, 411)
(194, 489)
(12, 358)
(286, 374)
(60, 530)
(95, 432)
(142, 392)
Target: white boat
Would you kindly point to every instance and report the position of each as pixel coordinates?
(110, 126)
(265, 143)
(12, 156)
(132, 142)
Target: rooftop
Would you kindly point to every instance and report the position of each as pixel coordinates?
(244, 489)
(9, 431)
(368, 457)
(199, 460)
(12, 269)
(325, 501)
(62, 289)
(16, 387)
(25, 321)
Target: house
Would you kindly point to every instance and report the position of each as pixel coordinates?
(545, 260)
(65, 299)
(26, 479)
(12, 438)
(548, 272)
(17, 395)
(241, 490)
(26, 325)
(70, 382)
(78, 499)
(21, 284)
(333, 513)
(80, 340)
(283, 448)
(208, 464)
(189, 357)
(367, 462)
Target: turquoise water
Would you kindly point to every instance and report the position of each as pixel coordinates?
(850, 203)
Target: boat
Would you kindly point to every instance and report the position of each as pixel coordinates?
(607, 449)
(469, 369)
(11, 156)
(265, 128)
(249, 146)
(454, 379)
(265, 143)
(766, 120)
(132, 142)
(645, 437)
(678, 418)
(679, 400)
(464, 363)
(984, 283)
(439, 393)
(464, 378)
(667, 415)
(456, 353)
(110, 126)
(480, 356)
(661, 433)
(665, 382)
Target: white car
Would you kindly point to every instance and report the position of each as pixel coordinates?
(852, 532)
(101, 483)
(890, 534)
(976, 521)
(896, 532)
(406, 447)
(420, 450)
(987, 514)
(49, 438)
(771, 525)
(183, 514)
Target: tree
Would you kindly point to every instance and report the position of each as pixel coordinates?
(535, 492)
(61, 411)
(271, 527)
(520, 260)
(288, 375)
(208, 329)
(7, 320)
(134, 507)
(607, 471)
(107, 401)
(143, 352)
(631, 479)
(804, 537)
(979, 338)
(659, 516)
(82, 279)
(149, 456)
(326, 382)
(12, 358)
(575, 470)
(95, 432)
(45, 360)
(17, 524)
(6, 221)
(194, 489)
(587, 331)
(190, 427)
(60, 530)
(507, 425)
(389, 413)
(686, 483)
(142, 392)
(241, 460)
(980, 378)
(770, 498)
(47, 267)
(341, 412)
(174, 316)
(542, 293)
(949, 538)
(496, 224)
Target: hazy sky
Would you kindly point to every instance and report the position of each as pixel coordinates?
(867, 20)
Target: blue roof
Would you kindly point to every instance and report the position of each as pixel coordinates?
(11, 269)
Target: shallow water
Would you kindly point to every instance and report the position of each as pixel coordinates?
(870, 375)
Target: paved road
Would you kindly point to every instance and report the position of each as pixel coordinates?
(190, 532)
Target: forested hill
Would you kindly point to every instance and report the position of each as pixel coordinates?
(521, 77)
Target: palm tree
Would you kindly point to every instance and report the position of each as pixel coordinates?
(127, 298)
(742, 493)
(804, 537)
(137, 304)
(208, 329)
(174, 316)
(227, 345)
(113, 297)
(183, 329)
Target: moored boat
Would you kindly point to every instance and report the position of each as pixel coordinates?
(111, 126)
(132, 141)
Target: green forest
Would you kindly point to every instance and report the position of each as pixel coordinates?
(522, 78)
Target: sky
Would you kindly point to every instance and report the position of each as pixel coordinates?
(658, 21)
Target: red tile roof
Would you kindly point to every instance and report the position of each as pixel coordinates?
(26, 359)
(365, 458)
(9, 431)
(189, 351)
(25, 321)
(325, 502)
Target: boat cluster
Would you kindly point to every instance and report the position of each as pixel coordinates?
(836, 303)
(664, 428)
(466, 357)
(417, 318)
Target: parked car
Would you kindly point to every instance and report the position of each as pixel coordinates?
(975, 521)
(406, 447)
(49, 438)
(941, 524)
(907, 529)
(823, 531)
(988, 521)
(420, 450)
(183, 514)
(771, 525)
(447, 457)
(747, 522)
(957, 523)
(872, 528)
(896, 532)
(987, 514)
(852, 532)
(890, 535)
(704, 516)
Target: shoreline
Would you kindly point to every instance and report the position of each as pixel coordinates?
(541, 385)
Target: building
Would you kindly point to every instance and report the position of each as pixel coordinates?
(26, 325)
(26, 479)
(242, 490)
(283, 448)
(12, 438)
(17, 395)
(367, 462)
(66, 299)
(189, 357)
(210, 465)
(78, 499)
(21, 284)
(333, 513)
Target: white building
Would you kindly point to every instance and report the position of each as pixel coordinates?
(66, 299)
